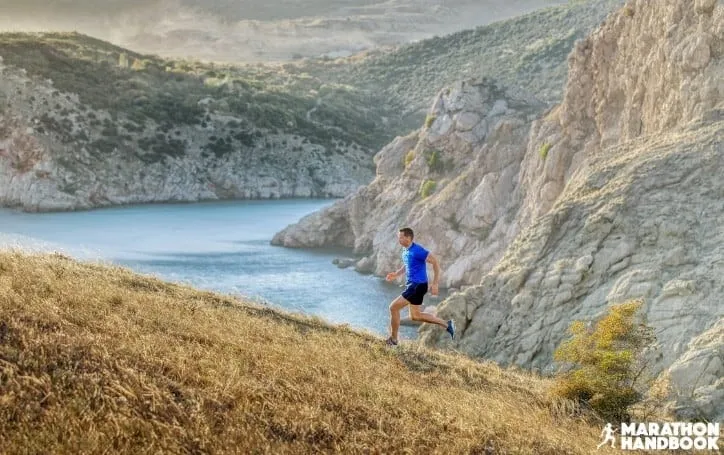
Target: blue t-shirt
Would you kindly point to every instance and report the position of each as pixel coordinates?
(414, 260)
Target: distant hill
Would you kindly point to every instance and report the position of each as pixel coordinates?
(145, 87)
(86, 124)
(527, 52)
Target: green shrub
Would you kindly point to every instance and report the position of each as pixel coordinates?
(544, 149)
(453, 222)
(427, 188)
(606, 362)
(219, 147)
(409, 157)
(434, 161)
(429, 120)
(104, 146)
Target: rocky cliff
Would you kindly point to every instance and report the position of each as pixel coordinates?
(625, 204)
(452, 181)
(614, 194)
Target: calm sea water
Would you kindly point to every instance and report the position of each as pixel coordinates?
(220, 246)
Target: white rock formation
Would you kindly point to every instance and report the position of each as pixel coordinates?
(471, 153)
(626, 204)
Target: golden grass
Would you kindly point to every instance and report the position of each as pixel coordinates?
(97, 359)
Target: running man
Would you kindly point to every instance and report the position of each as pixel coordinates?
(414, 259)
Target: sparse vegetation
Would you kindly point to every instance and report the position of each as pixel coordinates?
(427, 188)
(409, 157)
(528, 51)
(607, 362)
(182, 92)
(544, 149)
(358, 100)
(97, 358)
(429, 120)
(434, 161)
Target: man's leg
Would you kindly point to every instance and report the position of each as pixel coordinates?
(417, 315)
(395, 307)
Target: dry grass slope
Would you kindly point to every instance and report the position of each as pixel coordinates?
(96, 358)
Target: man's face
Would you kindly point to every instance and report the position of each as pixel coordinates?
(404, 240)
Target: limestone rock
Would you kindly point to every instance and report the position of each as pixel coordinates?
(467, 220)
(343, 263)
(696, 378)
(620, 198)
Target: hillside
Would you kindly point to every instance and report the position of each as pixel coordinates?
(95, 358)
(526, 52)
(543, 216)
(86, 124)
(145, 88)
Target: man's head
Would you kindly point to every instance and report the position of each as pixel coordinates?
(405, 237)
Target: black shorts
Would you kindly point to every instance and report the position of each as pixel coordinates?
(414, 292)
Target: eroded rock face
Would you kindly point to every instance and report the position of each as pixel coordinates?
(652, 67)
(453, 182)
(56, 154)
(626, 202)
(642, 223)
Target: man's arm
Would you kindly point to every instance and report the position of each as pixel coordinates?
(393, 275)
(435, 273)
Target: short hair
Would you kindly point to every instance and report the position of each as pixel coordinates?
(407, 232)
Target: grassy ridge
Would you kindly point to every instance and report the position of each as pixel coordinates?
(97, 358)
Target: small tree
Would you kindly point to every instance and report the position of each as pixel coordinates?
(607, 362)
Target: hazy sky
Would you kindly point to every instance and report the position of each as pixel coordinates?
(226, 9)
(229, 29)
(69, 7)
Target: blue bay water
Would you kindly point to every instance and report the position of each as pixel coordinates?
(219, 246)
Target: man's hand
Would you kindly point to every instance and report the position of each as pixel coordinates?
(434, 289)
(391, 276)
